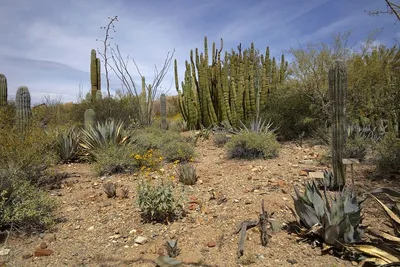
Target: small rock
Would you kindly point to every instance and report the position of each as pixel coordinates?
(211, 244)
(306, 161)
(90, 228)
(276, 226)
(69, 209)
(303, 173)
(247, 202)
(291, 261)
(43, 252)
(77, 227)
(49, 238)
(43, 245)
(4, 251)
(27, 256)
(140, 240)
(354, 263)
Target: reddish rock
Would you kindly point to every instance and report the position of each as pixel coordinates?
(303, 173)
(43, 252)
(211, 244)
(192, 206)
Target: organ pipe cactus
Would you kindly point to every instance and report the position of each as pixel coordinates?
(337, 92)
(227, 91)
(3, 90)
(163, 111)
(23, 108)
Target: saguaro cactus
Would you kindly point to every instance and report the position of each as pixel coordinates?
(163, 111)
(23, 108)
(89, 118)
(95, 73)
(3, 90)
(337, 92)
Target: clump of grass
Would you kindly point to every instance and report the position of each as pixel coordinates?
(114, 159)
(250, 145)
(220, 139)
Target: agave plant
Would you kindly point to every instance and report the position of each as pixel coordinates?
(103, 135)
(67, 145)
(333, 221)
(259, 126)
(187, 174)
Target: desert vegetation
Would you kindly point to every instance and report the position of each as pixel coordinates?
(150, 153)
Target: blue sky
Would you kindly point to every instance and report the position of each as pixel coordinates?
(45, 44)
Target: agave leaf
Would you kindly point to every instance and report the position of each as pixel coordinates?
(392, 216)
(375, 261)
(349, 232)
(306, 213)
(385, 190)
(380, 251)
(388, 237)
(331, 231)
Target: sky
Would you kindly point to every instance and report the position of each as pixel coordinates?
(45, 44)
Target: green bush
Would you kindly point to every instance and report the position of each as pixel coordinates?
(158, 202)
(388, 150)
(178, 150)
(220, 139)
(114, 159)
(250, 145)
(22, 205)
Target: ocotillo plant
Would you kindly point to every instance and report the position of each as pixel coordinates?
(23, 108)
(163, 111)
(89, 118)
(95, 74)
(337, 92)
(3, 90)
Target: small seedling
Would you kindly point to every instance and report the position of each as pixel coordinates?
(172, 248)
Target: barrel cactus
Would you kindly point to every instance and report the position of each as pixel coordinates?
(23, 108)
(163, 111)
(337, 92)
(3, 90)
(89, 118)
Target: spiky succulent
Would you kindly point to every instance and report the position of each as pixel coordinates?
(187, 174)
(334, 220)
(68, 145)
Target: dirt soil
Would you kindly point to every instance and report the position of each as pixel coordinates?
(97, 231)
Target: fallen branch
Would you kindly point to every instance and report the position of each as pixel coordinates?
(246, 225)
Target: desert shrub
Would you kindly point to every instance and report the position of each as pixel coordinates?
(220, 139)
(109, 133)
(114, 159)
(157, 201)
(388, 150)
(67, 145)
(187, 174)
(249, 145)
(148, 161)
(356, 147)
(22, 205)
(178, 150)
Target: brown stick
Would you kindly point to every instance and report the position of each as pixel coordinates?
(263, 225)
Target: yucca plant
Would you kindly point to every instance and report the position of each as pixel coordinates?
(259, 126)
(332, 221)
(187, 174)
(103, 135)
(67, 145)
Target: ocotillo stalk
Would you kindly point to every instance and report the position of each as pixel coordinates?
(23, 108)
(337, 92)
(163, 111)
(3, 90)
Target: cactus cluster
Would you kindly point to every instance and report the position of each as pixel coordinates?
(337, 92)
(95, 75)
(228, 90)
(23, 108)
(3, 90)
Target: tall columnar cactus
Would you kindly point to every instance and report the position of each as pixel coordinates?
(337, 92)
(163, 111)
(89, 118)
(23, 108)
(3, 90)
(95, 74)
(229, 90)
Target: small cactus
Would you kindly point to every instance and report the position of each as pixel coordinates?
(3, 90)
(89, 118)
(23, 108)
(163, 111)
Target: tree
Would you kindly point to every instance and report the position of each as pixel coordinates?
(391, 9)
